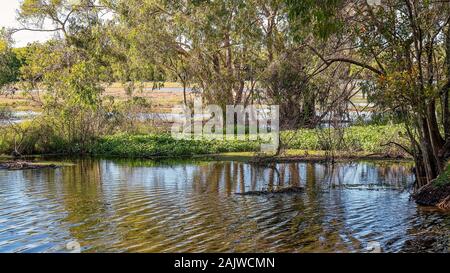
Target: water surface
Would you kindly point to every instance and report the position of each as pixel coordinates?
(145, 206)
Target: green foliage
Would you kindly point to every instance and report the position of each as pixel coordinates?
(320, 17)
(9, 63)
(41, 136)
(369, 139)
(164, 145)
(83, 84)
(73, 72)
(26, 138)
(5, 113)
(227, 49)
(67, 132)
(215, 46)
(399, 75)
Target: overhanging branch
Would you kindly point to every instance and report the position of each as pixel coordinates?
(330, 61)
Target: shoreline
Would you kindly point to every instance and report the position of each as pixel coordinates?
(436, 193)
(316, 157)
(251, 157)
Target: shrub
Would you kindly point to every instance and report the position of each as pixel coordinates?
(370, 138)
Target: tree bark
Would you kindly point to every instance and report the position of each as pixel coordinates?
(184, 93)
(429, 158)
(437, 142)
(420, 172)
(445, 100)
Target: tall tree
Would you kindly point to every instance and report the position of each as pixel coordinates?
(220, 43)
(72, 69)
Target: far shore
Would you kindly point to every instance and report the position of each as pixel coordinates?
(287, 156)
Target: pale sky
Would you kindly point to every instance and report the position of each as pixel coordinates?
(8, 13)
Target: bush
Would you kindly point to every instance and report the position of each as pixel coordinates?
(44, 136)
(5, 113)
(370, 139)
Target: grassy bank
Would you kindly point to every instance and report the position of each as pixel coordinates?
(355, 141)
(444, 178)
(164, 145)
(367, 139)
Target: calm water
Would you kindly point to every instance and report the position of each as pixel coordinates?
(143, 206)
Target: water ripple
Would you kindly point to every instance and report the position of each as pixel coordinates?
(143, 206)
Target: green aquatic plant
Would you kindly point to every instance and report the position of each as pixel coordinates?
(164, 145)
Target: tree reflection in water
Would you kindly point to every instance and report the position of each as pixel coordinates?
(147, 206)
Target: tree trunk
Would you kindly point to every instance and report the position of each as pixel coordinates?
(184, 93)
(445, 102)
(437, 142)
(229, 66)
(309, 110)
(429, 158)
(420, 172)
(446, 114)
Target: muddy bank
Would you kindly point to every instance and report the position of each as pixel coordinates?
(428, 241)
(434, 195)
(437, 193)
(25, 165)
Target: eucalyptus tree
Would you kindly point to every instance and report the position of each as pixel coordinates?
(404, 47)
(233, 51)
(220, 46)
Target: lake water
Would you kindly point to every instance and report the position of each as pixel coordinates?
(147, 206)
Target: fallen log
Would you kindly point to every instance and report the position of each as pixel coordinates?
(289, 190)
(24, 165)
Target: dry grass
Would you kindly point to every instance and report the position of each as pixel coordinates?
(161, 100)
(19, 103)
